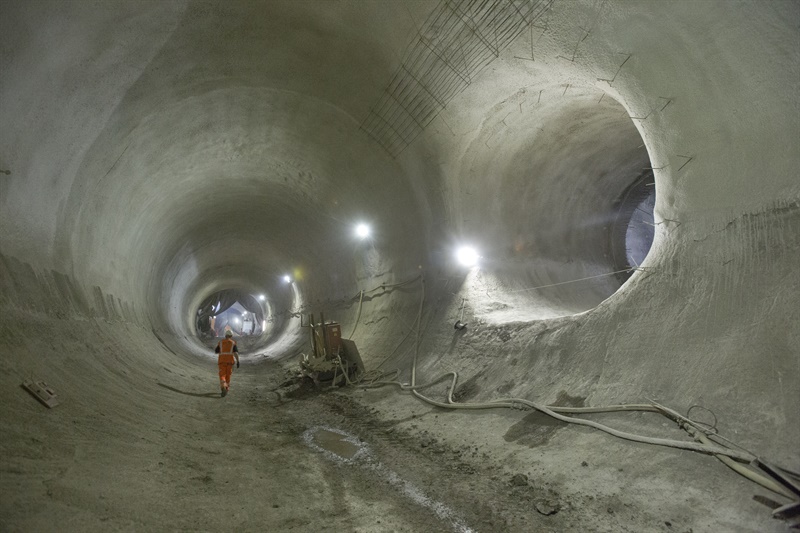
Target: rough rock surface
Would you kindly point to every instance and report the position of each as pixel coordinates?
(153, 153)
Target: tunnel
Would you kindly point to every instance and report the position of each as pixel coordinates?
(623, 175)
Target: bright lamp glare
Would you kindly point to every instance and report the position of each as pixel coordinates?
(467, 256)
(362, 231)
(262, 297)
(287, 278)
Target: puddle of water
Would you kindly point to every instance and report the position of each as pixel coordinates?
(340, 446)
(335, 443)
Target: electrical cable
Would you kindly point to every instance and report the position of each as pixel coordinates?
(712, 427)
(743, 470)
(410, 331)
(512, 402)
(379, 287)
(576, 280)
(392, 286)
(358, 318)
(695, 429)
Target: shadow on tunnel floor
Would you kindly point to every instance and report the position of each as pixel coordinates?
(196, 394)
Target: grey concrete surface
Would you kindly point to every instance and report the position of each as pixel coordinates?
(155, 152)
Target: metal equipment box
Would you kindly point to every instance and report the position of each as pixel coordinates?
(333, 338)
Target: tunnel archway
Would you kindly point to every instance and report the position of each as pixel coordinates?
(543, 203)
(633, 228)
(242, 312)
(129, 126)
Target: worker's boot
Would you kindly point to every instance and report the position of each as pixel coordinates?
(223, 389)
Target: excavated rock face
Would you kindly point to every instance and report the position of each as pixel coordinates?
(155, 154)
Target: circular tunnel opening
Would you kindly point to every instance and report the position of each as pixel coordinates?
(562, 204)
(633, 229)
(242, 313)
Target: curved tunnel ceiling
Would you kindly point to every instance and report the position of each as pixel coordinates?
(241, 120)
(539, 199)
(154, 153)
(250, 118)
(239, 195)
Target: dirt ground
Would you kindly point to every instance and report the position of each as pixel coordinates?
(279, 455)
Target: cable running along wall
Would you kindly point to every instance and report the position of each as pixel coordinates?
(456, 41)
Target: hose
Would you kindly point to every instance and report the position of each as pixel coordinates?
(358, 318)
(704, 444)
(379, 287)
(764, 481)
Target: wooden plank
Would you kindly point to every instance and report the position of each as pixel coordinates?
(42, 392)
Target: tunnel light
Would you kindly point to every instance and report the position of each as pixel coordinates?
(362, 231)
(287, 278)
(262, 297)
(467, 256)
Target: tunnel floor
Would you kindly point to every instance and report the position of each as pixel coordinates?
(275, 456)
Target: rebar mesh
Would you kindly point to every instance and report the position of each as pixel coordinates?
(457, 40)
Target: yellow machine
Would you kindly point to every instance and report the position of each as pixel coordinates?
(332, 358)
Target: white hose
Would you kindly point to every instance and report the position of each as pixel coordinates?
(358, 317)
(726, 455)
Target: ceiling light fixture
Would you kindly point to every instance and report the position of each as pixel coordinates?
(467, 256)
(362, 231)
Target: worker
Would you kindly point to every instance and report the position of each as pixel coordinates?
(228, 351)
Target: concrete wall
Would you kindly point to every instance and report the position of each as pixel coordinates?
(127, 128)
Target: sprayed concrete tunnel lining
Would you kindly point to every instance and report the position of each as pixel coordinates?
(157, 153)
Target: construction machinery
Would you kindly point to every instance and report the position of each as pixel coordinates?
(332, 358)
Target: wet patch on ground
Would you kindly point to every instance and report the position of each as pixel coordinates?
(343, 447)
(506, 387)
(536, 429)
(468, 390)
(335, 443)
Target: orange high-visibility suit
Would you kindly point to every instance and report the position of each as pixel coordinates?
(225, 348)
